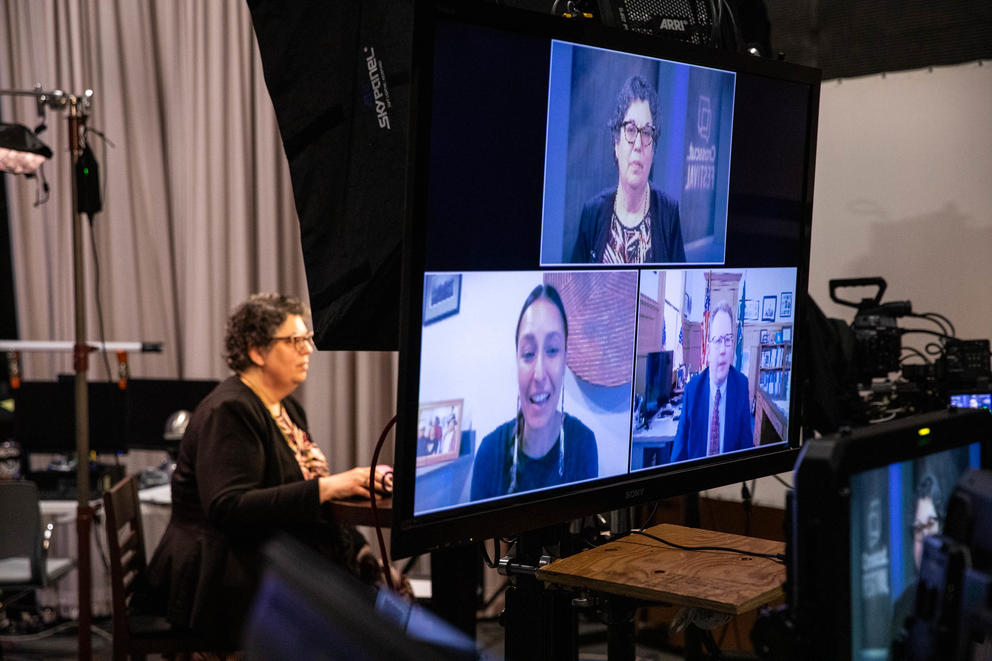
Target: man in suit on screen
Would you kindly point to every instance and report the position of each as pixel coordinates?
(716, 409)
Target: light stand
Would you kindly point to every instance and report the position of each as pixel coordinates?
(78, 107)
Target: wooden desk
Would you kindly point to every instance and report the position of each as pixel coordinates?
(770, 422)
(641, 568)
(658, 437)
(358, 511)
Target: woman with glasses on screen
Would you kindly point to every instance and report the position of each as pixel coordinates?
(632, 223)
(543, 446)
(247, 469)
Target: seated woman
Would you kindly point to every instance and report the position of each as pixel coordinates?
(631, 223)
(543, 446)
(247, 469)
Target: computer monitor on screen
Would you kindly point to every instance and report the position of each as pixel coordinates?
(657, 381)
(865, 500)
(584, 202)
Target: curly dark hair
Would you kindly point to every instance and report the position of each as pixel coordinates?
(253, 323)
(633, 89)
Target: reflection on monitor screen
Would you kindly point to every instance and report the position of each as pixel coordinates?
(892, 509)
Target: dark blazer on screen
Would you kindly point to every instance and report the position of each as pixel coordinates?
(692, 436)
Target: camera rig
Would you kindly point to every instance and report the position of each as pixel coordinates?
(889, 385)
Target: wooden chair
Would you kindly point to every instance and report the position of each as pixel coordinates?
(136, 634)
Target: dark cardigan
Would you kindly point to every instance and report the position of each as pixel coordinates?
(236, 484)
(594, 229)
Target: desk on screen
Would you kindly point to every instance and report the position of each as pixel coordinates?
(652, 446)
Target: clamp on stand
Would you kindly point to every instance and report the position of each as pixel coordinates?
(539, 623)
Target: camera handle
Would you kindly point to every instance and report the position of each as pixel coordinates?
(858, 282)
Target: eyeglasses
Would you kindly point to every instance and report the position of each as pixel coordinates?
(725, 340)
(923, 528)
(630, 132)
(300, 342)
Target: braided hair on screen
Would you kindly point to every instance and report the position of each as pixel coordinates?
(512, 453)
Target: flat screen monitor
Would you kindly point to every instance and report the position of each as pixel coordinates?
(971, 399)
(581, 199)
(306, 608)
(150, 402)
(865, 501)
(45, 416)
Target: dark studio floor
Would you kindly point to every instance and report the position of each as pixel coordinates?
(59, 643)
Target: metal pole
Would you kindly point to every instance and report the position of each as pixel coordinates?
(84, 513)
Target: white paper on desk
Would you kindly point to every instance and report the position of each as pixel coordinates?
(160, 495)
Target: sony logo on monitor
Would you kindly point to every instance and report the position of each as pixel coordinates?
(634, 493)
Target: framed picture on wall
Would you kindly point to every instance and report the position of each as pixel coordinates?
(442, 296)
(764, 336)
(768, 308)
(439, 431)
(785, 309)
(787, 333)
(750, 309)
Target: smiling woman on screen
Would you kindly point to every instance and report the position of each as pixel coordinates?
(542, 446)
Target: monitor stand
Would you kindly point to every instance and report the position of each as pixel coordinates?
(455, 579)
(539, 623)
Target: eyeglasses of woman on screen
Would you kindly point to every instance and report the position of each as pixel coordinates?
(634, 151)
(631, 223)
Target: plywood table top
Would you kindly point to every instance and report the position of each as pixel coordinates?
(642, 568)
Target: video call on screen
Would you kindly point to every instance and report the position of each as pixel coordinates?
(667, 335)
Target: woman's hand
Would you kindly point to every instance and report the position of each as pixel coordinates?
(355, 483)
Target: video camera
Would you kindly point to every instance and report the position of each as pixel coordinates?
(878, 350)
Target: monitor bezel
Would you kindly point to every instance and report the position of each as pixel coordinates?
(415, 534)
(820, 544)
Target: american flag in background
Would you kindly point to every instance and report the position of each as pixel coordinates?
(706, 321)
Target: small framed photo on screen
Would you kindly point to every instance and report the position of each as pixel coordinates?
(768, 308)
(785, 305)
(442, 296)
(439, 431)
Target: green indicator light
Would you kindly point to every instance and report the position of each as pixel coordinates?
(86, 170)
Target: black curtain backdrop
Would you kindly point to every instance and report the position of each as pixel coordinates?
(338, 74)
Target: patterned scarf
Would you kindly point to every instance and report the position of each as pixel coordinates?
(628, 245)
(311, 459)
